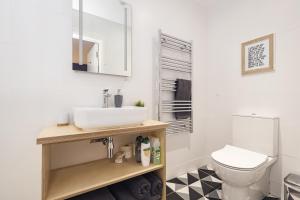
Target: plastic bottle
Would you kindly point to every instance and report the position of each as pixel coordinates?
(145, 152)
(118, 99)
(138, 143)
(155, 150)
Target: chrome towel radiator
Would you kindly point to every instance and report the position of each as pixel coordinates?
(175, 62)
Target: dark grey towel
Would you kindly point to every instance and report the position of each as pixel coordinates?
(139, 187)
(78, 67)
(100, 194)
(183, 93)
(156, 183)
(121, 192)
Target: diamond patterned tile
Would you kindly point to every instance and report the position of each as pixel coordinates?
(203, 198)
(169, 190)
(174, 186)
(207, 170)
(197, 186)
(201, 184)
(206, 188)
(271, 198)
(215, 194)
(176, 181)
(202, 174)
(174, 196)
(183, 178)
(195, 174)
(214, 185)
(212, 179)
(216, 176)
(191, 179)
(194, 195)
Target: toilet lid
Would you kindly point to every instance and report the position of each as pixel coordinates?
(239, 158)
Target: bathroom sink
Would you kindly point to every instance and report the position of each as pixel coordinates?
(96, 117)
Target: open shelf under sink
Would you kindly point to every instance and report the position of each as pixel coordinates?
(71, 181)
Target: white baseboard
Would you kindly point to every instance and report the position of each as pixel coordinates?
(190, 165)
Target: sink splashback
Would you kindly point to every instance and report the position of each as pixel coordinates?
(96, 117)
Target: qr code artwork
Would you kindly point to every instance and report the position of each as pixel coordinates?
(257, 56)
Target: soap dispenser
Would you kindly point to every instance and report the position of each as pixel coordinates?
(118, 99)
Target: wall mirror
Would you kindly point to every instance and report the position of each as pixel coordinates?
(101, 39)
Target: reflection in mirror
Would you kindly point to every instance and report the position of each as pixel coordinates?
(90, 54)
(102, 37)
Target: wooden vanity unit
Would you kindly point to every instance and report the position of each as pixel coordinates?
(74, 180)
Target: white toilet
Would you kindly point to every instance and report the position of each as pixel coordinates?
(245, 165)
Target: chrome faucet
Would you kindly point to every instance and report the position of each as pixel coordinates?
(110, 147)
(106, 97)
(109, 142)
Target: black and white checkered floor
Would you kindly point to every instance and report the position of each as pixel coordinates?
(201, 184)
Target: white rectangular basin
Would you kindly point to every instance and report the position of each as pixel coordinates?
(96, 117)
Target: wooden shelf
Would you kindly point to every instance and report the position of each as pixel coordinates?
(71, 133)
(72, 181)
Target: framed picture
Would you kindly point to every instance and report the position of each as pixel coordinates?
(257, 55)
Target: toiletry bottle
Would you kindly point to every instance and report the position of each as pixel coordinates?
(127, 149)
(138, 142)
(145, 152)
(118, 99)
(155, 150)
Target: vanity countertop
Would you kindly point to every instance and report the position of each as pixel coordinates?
(71, 133)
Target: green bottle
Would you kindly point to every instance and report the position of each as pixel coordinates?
(155, 151)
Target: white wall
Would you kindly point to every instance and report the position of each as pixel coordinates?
(231, 23)
(37, 82)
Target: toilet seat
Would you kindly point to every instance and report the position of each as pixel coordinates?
(238, 158)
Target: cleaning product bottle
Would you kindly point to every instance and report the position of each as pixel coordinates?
(138, 143)
(155, 150)
(145, 152)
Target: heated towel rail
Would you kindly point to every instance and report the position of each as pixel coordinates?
(175, 62)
